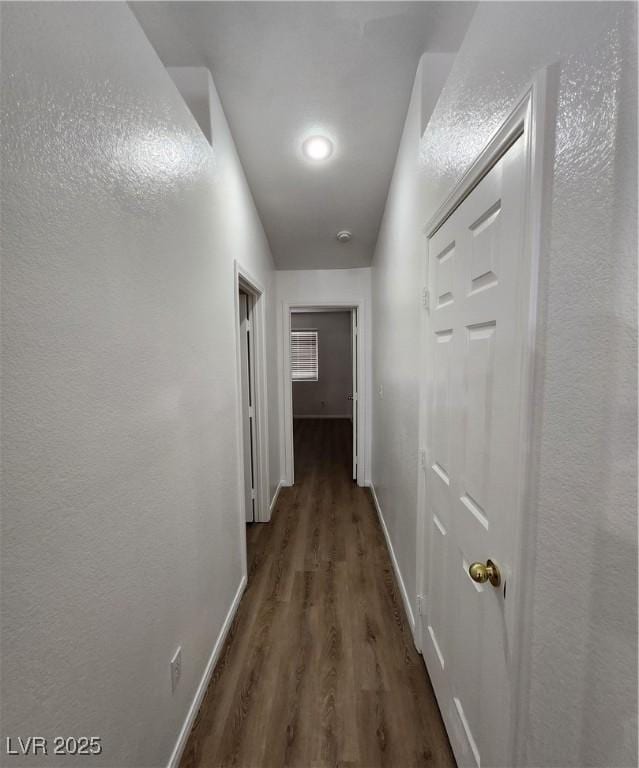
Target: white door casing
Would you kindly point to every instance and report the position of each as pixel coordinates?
(246, 284)
(355, 397)
(483, 247)
(248, 412)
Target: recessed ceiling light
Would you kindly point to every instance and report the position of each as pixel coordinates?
(317, 148)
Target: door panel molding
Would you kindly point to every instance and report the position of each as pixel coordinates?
(529, 121)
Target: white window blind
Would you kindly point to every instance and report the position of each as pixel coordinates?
(304, 363)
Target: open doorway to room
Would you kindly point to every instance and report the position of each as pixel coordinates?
(324, 388)
(247, 375)
(252, 380)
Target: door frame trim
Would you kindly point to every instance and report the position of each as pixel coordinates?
(287, 412)
(243, 280)
(531, 117)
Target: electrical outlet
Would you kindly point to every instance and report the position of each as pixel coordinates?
(380, 389)
(176, 668)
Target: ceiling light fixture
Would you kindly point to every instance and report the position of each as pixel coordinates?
(317, 148)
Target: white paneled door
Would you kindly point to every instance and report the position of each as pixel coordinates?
(478, 281)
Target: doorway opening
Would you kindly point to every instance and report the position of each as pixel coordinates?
(247, 375)
(323, 375)
(253, 437)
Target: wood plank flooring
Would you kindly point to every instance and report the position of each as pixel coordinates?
(319, 668)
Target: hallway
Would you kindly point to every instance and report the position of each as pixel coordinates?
(251, 250)
(319, 667)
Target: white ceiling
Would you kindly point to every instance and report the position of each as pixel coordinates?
(285, 70)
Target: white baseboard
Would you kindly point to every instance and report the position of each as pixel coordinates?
(398, 574)
(274, 499)
(185, 731)
(323, 416)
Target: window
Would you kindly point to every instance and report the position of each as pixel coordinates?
(304, 364)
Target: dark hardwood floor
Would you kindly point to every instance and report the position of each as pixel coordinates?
(319, 668)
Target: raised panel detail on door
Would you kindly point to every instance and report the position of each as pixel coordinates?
(444, 276)
(477, 420)
(441, 405)
(468, 700)
(484, 268)
(438, 573)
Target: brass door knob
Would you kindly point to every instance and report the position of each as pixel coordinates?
(482, 573)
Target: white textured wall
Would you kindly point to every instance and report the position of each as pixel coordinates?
(250, 248)
(328, 396)
(396, 296)
(194, 85)
(582, 706)
(121, 536)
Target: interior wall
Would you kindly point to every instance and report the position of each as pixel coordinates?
(328, 396)
(194, 85)
(582, 624)
(320, 287)
(198, 90)
(121, 529)
(396, 286)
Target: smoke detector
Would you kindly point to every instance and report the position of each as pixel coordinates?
(344, 236)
